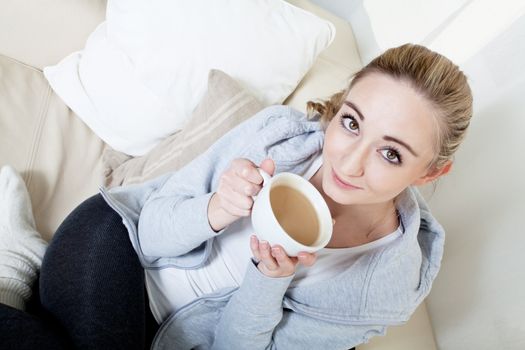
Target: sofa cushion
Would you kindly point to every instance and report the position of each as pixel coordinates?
(41, 33)
(224, 105)
(334, 66)
(43, 139)
(416, 334)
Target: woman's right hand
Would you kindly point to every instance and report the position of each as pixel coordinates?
(237, 185)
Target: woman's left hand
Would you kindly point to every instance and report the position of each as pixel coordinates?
(274, 262)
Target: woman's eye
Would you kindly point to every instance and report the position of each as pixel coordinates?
(350, 123)
(391, 155)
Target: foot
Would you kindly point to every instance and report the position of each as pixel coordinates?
(21, 246)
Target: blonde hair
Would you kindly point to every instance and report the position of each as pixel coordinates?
(432, 75)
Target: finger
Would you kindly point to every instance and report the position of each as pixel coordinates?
(233, 208)
(266, 256)
(247, 170)
(252, 175)
(240, 200)
(254, 246)
(242, 186)
(286, 263)
(268, 165)
(306, 259)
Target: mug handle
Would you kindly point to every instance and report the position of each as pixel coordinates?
(266, 178)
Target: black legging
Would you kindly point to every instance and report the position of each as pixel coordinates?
(90, 293)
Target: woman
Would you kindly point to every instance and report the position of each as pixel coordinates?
(212, 284)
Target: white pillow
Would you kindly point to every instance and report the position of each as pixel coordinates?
(145, 68)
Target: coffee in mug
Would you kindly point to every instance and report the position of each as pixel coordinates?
(291, 212)
(295, 214)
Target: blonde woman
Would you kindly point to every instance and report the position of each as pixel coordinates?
(211, 284)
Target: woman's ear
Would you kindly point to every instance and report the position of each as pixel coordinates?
(434, 174)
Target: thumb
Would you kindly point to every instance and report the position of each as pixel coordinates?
(268, 165)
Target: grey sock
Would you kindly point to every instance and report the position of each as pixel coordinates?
(21, 246)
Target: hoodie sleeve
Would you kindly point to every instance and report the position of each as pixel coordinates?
(254, 318)
(253, 312)
(174, 219)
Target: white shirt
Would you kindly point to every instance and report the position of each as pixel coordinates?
(171, 288)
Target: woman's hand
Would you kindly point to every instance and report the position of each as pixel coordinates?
(273, 261)
(233, 198)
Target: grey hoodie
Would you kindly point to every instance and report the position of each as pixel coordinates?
(168, 226)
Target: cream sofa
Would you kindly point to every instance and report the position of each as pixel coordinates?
(61, 159)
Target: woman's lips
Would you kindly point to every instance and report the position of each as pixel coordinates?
(343, 184)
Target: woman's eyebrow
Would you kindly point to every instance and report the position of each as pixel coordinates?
(354, 107)
(393, 139)
(386, 138)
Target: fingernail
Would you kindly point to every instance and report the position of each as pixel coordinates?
(276, 251)
(248, 190)
(264, 245)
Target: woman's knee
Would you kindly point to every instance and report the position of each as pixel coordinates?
(90, 239)
(91, 220)
(92, 231)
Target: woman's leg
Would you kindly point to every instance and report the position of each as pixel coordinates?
(92, 282)
(24, 331)
(90, 272)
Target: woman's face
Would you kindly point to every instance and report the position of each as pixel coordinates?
(381, 141)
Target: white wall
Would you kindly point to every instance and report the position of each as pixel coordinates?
(478, 299)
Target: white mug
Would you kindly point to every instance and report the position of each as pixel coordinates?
(291, 212)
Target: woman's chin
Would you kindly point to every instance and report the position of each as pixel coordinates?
(338, 196)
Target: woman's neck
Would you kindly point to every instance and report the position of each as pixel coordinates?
(360, 224)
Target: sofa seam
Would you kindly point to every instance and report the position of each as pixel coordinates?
(37, 134)
(39, 70)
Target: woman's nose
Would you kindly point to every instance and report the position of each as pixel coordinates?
(354, 161)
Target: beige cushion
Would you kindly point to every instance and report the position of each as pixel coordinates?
(224, 105)
(58, 157)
